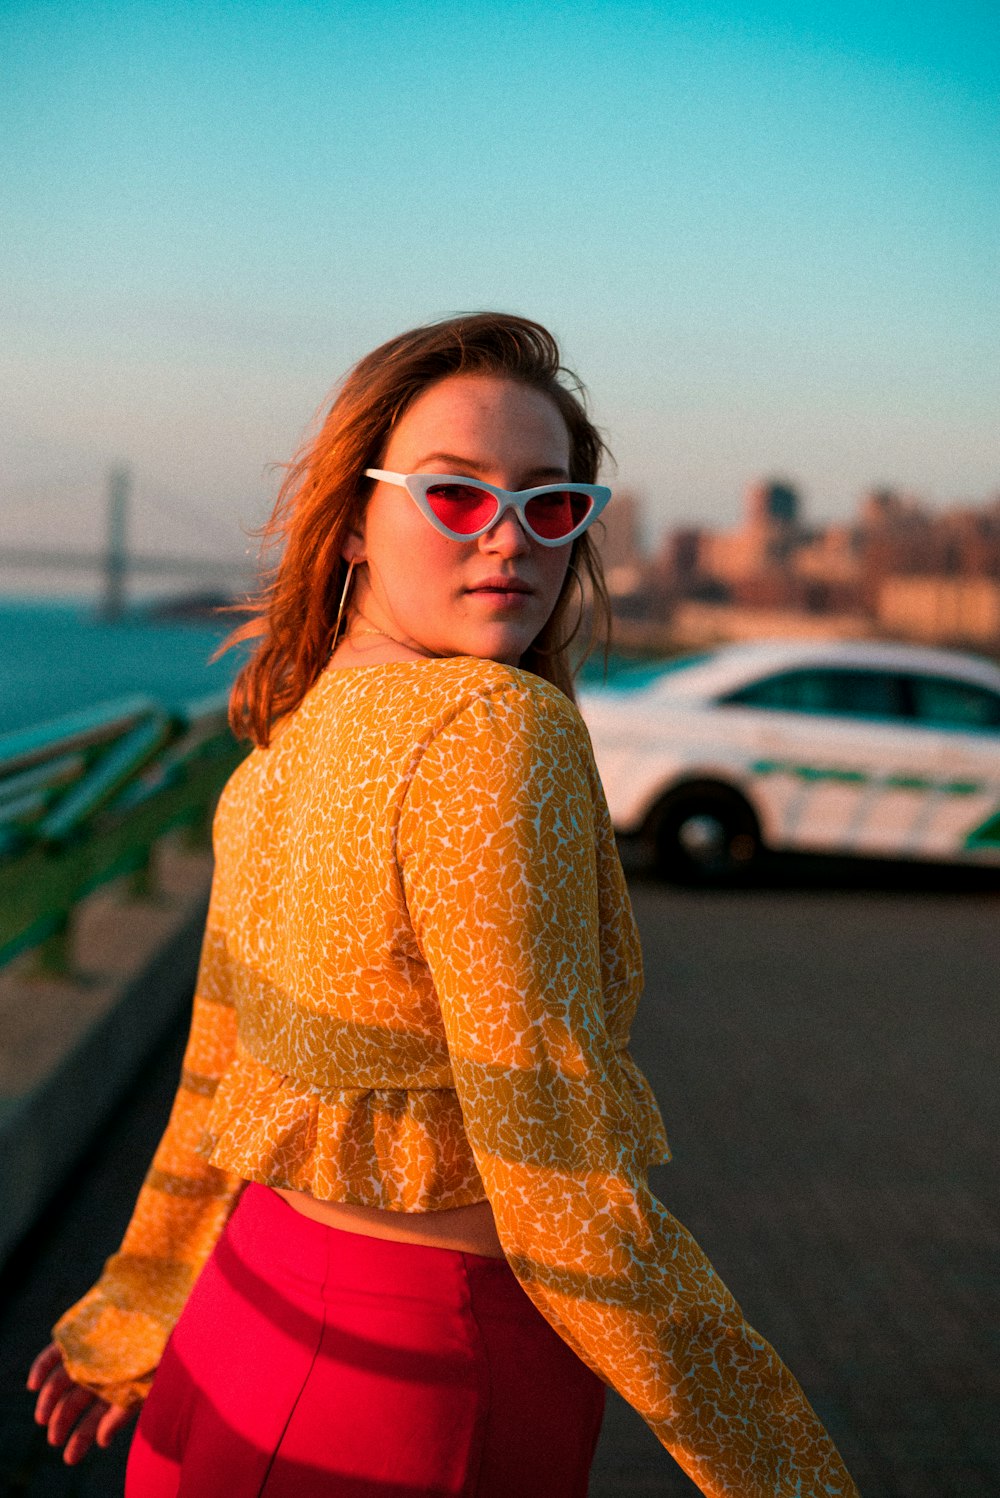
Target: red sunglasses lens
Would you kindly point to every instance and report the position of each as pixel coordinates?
(557, 513)
(462, 507)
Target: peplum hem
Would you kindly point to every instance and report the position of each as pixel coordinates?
(401, 1149)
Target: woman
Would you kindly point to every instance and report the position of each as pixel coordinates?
(411, 1019)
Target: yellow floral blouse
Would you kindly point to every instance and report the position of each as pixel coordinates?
(418, 976)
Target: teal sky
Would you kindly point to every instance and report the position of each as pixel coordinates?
(766, 234)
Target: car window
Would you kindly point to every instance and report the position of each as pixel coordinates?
(840, 692)
(942, 702)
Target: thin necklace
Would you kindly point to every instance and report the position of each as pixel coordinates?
(350, 633)
(362, 630)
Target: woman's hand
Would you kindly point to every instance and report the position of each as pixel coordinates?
(75, 1417)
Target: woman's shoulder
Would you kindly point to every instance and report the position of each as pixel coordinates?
(439, 688)
(524, 698)
(506, 722)
(394, 712)
(484, 675)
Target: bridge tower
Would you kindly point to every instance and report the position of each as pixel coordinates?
(116, 555)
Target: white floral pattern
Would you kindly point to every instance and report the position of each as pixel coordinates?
(418, 977)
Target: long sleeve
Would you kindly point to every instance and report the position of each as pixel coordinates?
(499, 845)
(113, 1338)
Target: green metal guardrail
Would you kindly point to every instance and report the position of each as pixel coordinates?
(85, 798)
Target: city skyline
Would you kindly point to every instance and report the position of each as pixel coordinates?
(765, 234)
(623, 538)
(152, 530)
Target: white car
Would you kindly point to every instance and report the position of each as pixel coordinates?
(876, 750)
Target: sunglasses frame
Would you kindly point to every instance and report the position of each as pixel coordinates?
(417, 484)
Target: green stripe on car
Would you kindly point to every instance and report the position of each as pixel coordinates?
(841, 776)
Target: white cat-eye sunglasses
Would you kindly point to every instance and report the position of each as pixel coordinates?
(464, 509)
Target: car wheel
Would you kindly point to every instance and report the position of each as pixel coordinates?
(705, 835)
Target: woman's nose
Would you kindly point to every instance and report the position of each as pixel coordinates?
(508, 536)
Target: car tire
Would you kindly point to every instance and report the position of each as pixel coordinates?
(705, 834)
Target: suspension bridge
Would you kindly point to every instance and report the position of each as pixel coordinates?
(115, 564)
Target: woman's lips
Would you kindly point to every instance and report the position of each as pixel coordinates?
(504, 585)
(510, 596)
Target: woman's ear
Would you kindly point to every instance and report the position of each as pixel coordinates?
(353, 547)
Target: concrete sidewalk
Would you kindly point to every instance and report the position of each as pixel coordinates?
(70, 1049)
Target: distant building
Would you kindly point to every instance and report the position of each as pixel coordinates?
(770, 531)
(897, 568)
(772, 504)
(618, 535)
(948, 610)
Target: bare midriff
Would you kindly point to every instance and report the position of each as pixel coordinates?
(471, 1230)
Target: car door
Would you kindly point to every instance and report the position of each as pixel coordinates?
(964, 717)
(841, 770)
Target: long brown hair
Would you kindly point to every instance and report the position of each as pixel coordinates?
(324, 494)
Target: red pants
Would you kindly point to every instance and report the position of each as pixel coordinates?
(314, 1363)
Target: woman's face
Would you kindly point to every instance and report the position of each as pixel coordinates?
(442, 597)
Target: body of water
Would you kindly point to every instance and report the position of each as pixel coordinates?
(58, 656)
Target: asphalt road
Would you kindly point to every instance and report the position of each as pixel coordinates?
(826, 1063)
(825, 1059)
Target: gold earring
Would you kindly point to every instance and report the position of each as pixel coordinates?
(343, 600)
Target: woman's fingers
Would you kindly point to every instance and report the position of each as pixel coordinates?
(111, 1423)
(75, 1417)
(50, 1357)
(82, 1437)
(69, 1410)
(55, 1387)
(100, 1423)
